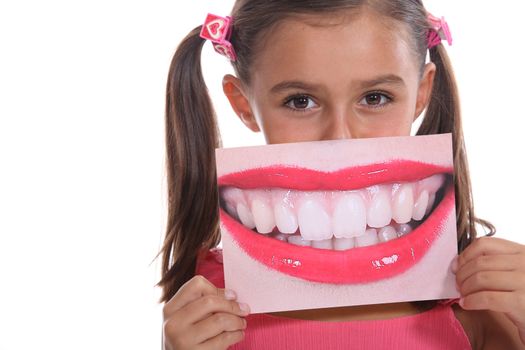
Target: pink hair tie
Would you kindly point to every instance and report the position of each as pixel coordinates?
(439, 31)
(219, 30)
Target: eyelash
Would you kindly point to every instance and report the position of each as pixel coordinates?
(378, 92)
(291, 98)
(381, 93)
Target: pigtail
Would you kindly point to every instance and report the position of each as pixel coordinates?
(191, 138)
(443, 115)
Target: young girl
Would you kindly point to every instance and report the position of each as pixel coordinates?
(310, 70)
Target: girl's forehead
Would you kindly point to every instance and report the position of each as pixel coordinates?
(330, 24)
(363, 43)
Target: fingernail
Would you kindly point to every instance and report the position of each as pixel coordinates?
(244, 308)
(454, 265)
(461, 302)
(229, 294)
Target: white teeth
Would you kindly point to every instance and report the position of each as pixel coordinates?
(343, 243)
(402, 204)
(232, 196)
(431, 201)
(285, 218)
(420, 206)
(263, 215)
(432, 183)
(334, 219)
(403, 229)
(298, 240)
(245, 216)
(379, 212)
(369, 238)
(314, 222)
(281, 237)
(349, 216)
(231, 210)
(386, 234)
(324, 244)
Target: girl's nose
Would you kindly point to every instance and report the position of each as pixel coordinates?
(338, 127)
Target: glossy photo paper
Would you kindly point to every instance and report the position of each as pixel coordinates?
(337, 223)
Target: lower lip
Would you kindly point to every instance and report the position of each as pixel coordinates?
(356, 265)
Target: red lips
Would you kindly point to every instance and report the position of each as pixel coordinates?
(356, 265)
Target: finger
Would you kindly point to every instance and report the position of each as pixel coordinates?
(190, 291)
(222, 341)
(493, 281)
(216, 324)
(489, 263)
(210, 304)
(488, 246)
(508, 302)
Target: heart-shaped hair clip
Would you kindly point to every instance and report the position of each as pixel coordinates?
(439, 30)
(218, 30)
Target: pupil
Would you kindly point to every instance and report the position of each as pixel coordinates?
(373, 99)
(301, 102)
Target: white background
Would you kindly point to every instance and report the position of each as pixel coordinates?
(81, 154)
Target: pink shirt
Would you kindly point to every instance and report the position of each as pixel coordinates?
(437, 328)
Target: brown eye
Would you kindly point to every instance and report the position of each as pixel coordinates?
(375, 100)
(300, 103)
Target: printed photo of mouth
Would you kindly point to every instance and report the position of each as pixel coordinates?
(355, 225)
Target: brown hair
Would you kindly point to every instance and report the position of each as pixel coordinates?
(192, 134)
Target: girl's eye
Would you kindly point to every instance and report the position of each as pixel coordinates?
(300, 103)
(375, 100)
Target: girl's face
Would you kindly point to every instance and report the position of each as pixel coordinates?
(316, 79)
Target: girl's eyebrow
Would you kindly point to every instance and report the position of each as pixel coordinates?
(390, 79)
(294, 84)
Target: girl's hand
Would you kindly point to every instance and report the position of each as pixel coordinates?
(201, 316)
(490, 274)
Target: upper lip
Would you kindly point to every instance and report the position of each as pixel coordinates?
(351, 178)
